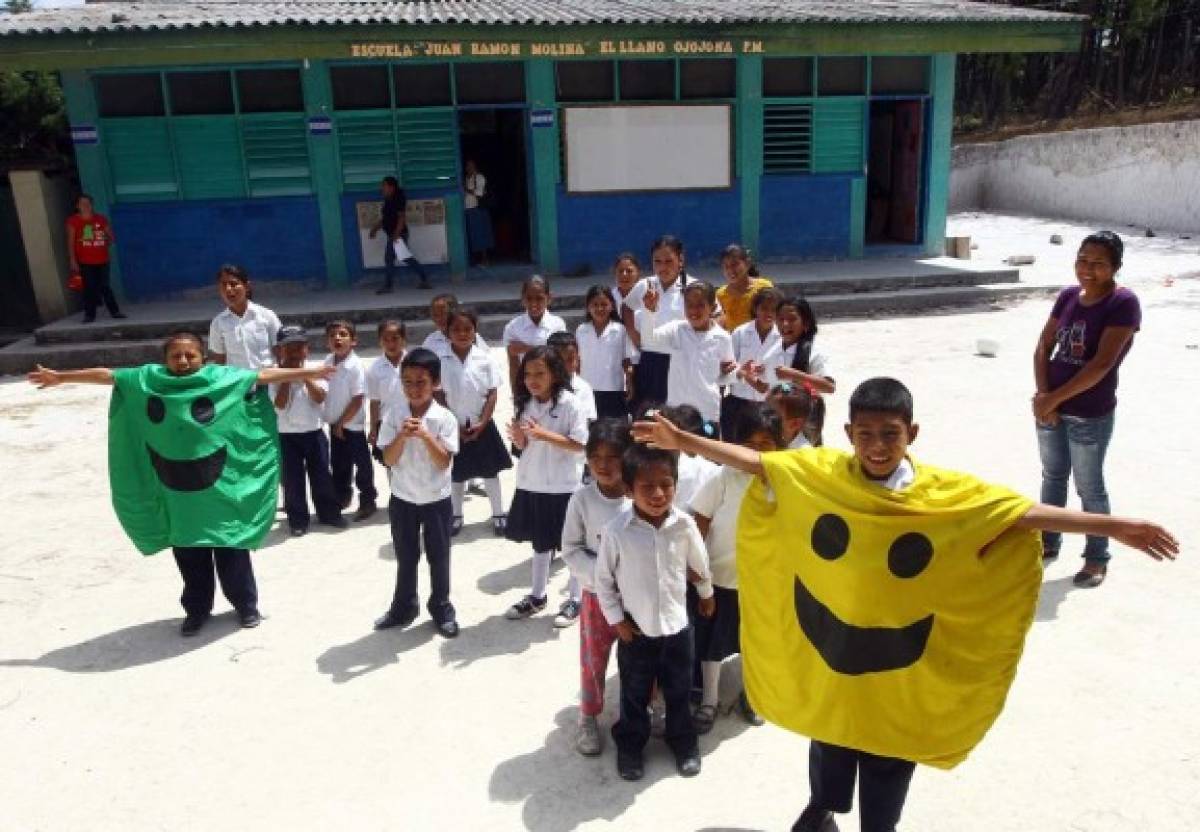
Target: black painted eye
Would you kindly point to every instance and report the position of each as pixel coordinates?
(251, 394)
(830, 536)
(156, 411)
(909, 555)
(203, 410)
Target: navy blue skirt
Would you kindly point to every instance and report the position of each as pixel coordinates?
(716, 638)
(611, 404)
(484, 458)
(537, 517)
(650, 381)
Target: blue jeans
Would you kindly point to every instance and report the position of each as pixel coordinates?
(1076, 447)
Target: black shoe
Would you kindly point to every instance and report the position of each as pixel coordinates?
(119, 316)
(1049, 557)
(747, 710)
(249, 619)
(346, 501)
(299, 531)
(338, 522)
(813, 819)
(688, 765)
(448, 628)
(392, 619)
(365, 511)
(192, 624)
(456, 525)
(1089, 580)
(629, 766)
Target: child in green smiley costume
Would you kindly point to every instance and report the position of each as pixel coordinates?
(193, 459)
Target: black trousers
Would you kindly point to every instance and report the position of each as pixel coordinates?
(351, 456)
(301, 455)
(233, 568)
(411, 523)
(882, 784)
(611, 404)
(389, 263)
(650, 381)
(97, 290)
(640, 663)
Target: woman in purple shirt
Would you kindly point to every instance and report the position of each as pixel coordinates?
(1089, 332)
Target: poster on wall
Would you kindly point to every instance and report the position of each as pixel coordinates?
(426, 231)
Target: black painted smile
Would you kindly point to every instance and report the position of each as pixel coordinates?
(188, 474)
(857, 650)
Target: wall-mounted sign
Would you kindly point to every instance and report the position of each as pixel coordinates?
(541, 118)
(568, 49)
(320, 125)
(85, 134)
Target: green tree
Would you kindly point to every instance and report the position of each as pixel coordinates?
(33, 124)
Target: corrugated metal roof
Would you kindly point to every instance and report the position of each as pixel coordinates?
(144, 15)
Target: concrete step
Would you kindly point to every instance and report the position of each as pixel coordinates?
(150, 321)
(21, 357)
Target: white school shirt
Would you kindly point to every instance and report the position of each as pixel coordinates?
(383, 384)
(587, 397)
(642, 571)
(438, 342)
(245, 341)
(588, 512)
(694, 471)
(523, 329)
(799, 441)
(901, 478)
(547, 469)
(780, 356)
(602, 357)
(349, 380)
(670, 301)
(695, 377)
(414, 478)
(302, 414)
(720, 500)
(476, 188)
(747, 346)
(467, 382)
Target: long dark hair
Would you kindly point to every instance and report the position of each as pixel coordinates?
(594, 292)
(558, 372)
(673, 243)
(802, 360)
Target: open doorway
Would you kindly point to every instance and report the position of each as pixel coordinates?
(895, 168)
(495, 140)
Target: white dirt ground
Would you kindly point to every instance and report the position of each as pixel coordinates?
(109, 720)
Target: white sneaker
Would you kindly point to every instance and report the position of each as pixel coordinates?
(567, 613)
(588, 741)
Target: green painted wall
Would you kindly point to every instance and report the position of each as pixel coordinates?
(326, 172)
(941, 126)
(749, 143)
(539, 89)
(90, 159)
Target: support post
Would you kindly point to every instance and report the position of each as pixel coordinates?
(326, 175)
(941, 125)
(539, 91)
(750, 144)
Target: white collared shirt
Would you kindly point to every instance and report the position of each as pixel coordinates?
(414, 478)
(523, 329)
(245, 341)
(748, 346)
(383, 383)
(545, 468)
(695, 377)
(602, 357)
(467, 383)
(694, 471)
(720, 500)
(587, 397)
(642, 570)
(588, 512)
(780, 356)
(438, 342)
(798, 442)
(349, 380)
(302, 414)
(901, 478)
(670, 301)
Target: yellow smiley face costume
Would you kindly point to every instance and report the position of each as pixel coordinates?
(887, 621)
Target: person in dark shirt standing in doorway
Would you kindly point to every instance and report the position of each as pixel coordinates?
(394, 225)
(89, 237)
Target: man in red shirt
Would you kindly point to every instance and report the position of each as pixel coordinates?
(89, 237)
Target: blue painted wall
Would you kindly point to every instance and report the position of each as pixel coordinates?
(804, 216)
(354, 260)
(168, 247)
(594, 229)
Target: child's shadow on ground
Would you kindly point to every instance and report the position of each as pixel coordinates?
(497, 636)
(1052, 595)
(141, 644)
(512, 577)
(563, 790)
(375, 650)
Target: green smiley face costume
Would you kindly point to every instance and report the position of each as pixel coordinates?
(192, 460)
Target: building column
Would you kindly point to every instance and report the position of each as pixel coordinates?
(326, 173)
(42, 210)
(750, 144)
(539, 94)
(941, 126)
(90, 160)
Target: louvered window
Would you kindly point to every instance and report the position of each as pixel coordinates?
(276, 150)
(427, 140)
(787, 138)
(838, 135)
(367, 146)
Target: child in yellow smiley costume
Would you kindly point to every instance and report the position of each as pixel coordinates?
(884, 604)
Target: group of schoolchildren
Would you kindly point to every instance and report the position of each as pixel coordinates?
(647, 534)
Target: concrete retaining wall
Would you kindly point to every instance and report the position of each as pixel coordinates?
(1145, 175)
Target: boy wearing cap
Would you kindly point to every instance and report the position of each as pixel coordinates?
(303, 446)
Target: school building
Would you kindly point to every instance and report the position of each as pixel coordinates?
(259, 132)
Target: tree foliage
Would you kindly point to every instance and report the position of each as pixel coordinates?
(1134, 53)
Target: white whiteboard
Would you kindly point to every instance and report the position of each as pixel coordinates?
(648, 148)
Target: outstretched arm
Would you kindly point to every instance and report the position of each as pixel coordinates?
(661, 433)
(44, 377)
(281, 375)
(1142, 535)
